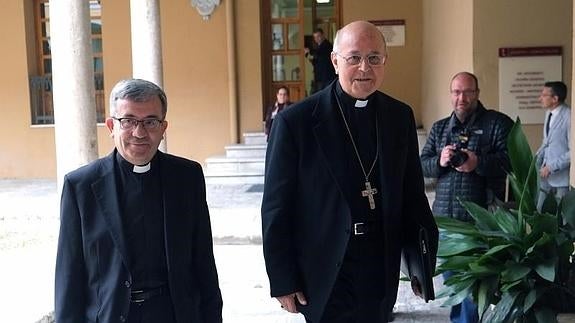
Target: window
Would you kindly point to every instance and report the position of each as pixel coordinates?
(41, 83)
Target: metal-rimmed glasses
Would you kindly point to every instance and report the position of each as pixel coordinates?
(132, 123)
(372, 59)
(466, 93)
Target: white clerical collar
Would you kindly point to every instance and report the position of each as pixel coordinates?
(143, 168)
(361, 103)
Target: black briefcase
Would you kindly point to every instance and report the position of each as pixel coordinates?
(416, 262)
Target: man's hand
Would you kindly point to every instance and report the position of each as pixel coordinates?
(544, 171)
(416, 287)
(446, 154)
(288, 301)
(470, 164)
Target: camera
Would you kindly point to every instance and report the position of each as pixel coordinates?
(460, 157)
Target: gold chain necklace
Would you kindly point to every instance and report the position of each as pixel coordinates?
(369, 192)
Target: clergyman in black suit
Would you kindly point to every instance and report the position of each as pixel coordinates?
(135, 241)
(343, 191)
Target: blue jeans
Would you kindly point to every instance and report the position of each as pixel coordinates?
(466, 311)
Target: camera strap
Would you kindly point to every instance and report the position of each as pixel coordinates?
(466, 127)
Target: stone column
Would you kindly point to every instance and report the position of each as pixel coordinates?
(73, 85)
(147, 44)
(232, 73)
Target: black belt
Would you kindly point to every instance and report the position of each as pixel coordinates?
(142, 295)
(363, 228)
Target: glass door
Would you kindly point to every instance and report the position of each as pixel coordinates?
(286, 30)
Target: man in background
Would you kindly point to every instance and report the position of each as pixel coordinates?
(320, 58)
(467, 154)
(553, 157)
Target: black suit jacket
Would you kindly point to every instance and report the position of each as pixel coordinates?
(92, 271)
(323, 70)
(305, 210)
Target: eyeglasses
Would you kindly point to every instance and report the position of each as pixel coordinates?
(466, 93)
(131, 123)
(372, 60)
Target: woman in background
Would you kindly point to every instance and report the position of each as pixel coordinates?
(281, 103)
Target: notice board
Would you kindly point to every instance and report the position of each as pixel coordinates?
(522, 73)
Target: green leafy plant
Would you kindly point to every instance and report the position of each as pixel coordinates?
(514, 261)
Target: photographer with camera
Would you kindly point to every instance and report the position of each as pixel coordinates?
(467, 154)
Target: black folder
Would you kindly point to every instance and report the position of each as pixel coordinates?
(416, 262)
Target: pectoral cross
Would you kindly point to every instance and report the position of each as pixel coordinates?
(369, 192)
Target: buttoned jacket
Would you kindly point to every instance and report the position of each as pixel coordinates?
(555, 148)
(93, 280)
(306, 214)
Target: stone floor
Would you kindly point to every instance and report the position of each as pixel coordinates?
(28, 234)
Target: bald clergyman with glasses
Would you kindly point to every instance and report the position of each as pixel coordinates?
(135, 241)
(343, 191)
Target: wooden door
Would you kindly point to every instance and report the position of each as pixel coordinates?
(286, 26)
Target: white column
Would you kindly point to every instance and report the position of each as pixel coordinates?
(232, 73)
(73, 85)
(147, 44)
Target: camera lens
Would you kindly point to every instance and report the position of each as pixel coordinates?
(458, 158)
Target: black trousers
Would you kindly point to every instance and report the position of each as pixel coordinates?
(358, 295)
(156, 309)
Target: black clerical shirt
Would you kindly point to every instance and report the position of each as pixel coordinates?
(140, 199)
(361, 122)
(363, 270)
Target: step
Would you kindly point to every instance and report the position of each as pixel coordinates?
(236, 178)
(239, 151)
(255, 138)
(421, 138)
(223, 164)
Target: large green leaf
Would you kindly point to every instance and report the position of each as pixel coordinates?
(505, 287)
(456, 226)
(478, 270)
(540, 250)
(456, 263)
(529, 300)
(524, 194)
(544, 223)
(460, 294)
(507, 222)
(484, 220)
(514, 272)
(495, 250)
(444, 292)
(450, 247)
(521, 159)
(503, 309)
(547, 269)
(485, 294)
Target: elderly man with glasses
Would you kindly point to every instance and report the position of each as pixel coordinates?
(343, 191)
(135, 241)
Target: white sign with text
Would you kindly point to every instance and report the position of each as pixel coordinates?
(521, 79)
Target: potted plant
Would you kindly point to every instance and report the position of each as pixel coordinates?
(516, 262)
